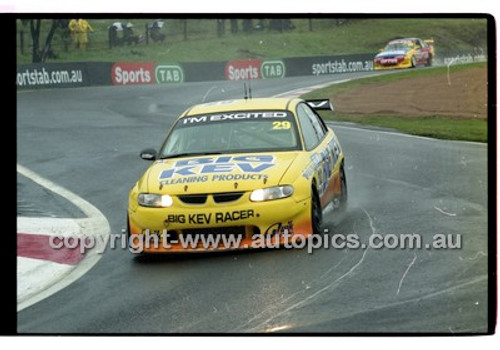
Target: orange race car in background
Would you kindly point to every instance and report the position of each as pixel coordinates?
(405, 53)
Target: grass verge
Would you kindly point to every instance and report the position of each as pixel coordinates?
(391, 76)
(430, 126)
(436, 127)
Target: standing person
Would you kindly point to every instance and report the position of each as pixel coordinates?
(73, 30)
(114, 39)
(128, 34)
(155, 31)
(234, 26)
(220, 27)
(83, 28)
(247, 25)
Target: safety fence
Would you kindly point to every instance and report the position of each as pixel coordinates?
(105, 34)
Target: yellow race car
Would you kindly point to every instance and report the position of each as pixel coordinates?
(238, 171)
(405, 53)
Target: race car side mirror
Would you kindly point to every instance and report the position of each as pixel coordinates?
(148, 154)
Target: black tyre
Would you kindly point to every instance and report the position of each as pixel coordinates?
(127, 233)
(413, 62)
(128, 227)
(343, 190)
(316, 212)
(429, 61)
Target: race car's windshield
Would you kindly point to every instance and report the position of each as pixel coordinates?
(232, 132)
(400, 46)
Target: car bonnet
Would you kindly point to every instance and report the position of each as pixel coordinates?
(218, 173)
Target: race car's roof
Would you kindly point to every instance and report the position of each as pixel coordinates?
(403, 40)
(243, 105)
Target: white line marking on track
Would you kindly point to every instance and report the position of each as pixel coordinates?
(330, 286)
(405, 273)
(444, 212)
(299, 91)
(305, 90)
(401, 134)
(418, 298)
(448, 70)
(87, 208)
(49, 226)
(95, 224)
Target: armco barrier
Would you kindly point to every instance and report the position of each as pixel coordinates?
(204, 71)
(321, 65)
(169, 74)
(444, 58)
(133, 73)
(54, 75)
(63, 75)
(98, 73)
(245, 69)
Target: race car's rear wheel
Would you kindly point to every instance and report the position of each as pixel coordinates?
(429, 61)
(316, 213)
(343, 190)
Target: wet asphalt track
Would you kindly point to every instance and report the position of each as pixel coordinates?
(88, 140)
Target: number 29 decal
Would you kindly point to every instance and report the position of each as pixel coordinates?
(282, 125)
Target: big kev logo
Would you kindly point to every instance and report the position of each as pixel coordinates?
(243, 69)
(167, 74)
(250, 164)
(272, 69)
(130, 73)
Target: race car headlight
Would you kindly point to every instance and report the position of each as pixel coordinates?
(155, 200)
(268, 194)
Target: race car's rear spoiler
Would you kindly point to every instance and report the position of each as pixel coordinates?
(319, 105)
(429, 41)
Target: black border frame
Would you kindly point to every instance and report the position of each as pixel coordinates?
(9, 256)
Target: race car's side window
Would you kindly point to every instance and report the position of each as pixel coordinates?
(318, 124)
(321, 122)
(309, 133)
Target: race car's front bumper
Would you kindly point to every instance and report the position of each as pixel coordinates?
(406, 63)
(243, 219)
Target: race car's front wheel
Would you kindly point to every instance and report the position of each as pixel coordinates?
(413, 62)
(316, 213)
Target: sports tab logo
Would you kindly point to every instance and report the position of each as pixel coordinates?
(166, 74)
(127, 73)
(243, 69)
(272, 69)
